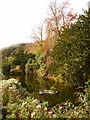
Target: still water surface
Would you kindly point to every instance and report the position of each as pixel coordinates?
(37, 84)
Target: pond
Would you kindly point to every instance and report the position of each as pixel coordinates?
(37, 84)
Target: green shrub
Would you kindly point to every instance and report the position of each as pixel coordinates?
(12, 91)
(53, 88)
(28, 108)
(7, 64)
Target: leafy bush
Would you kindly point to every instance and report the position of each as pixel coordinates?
(52, 88)
(7, 64)
(21, 57)
(10, 51)
(35, 65)
(28, 108)
(12, 91)
(19, 103)
(68, 110)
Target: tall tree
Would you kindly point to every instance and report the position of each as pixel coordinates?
(72, 53)
(60, 16)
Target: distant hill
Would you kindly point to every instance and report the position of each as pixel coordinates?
(29, 47)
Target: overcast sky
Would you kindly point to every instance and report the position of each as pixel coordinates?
(19, 17)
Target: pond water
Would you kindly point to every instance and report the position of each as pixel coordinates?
(37, 84)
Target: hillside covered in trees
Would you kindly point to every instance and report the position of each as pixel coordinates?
(61, 59)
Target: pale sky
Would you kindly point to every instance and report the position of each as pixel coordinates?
(19, 17)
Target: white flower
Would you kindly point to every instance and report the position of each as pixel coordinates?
(45, 109)
(54, 116)
(12, 80)
(24, 103)
(33, 114)
(14, 87)
(19, 83)
(38, 106)
(10, 88)
(60, 107)
(50, 112)
(36, 101)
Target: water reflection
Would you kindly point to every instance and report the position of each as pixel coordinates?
(34, 85)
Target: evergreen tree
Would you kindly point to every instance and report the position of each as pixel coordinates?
(71, 52)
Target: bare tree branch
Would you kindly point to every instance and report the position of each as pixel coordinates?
(37, 35)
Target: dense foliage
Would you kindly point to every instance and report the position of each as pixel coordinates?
(20, 104)
(17, 57)
(62, 58)
(71, 52)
